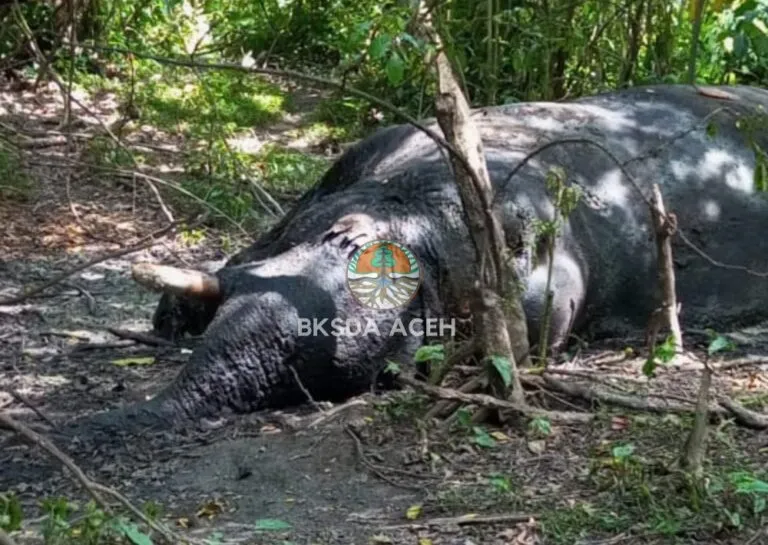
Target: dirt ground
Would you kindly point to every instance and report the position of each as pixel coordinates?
(353, 478)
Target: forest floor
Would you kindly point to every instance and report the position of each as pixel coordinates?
(373, 474)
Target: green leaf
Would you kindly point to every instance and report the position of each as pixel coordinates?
(711, 129)
(719, 344)
(649, 367)
(666, 351)
(271, 525)
(395, 69)
(623, 451)
(132, 533)
(379, 46)
(11, 514)
(483, 439)
(464, 417)
(431, 352)
(125, 362)
(392, 367)
(503, 367)
(541, 425)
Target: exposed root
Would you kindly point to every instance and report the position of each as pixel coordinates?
(591, 393)
(491, 402)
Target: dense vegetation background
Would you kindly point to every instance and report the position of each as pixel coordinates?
(508, 50)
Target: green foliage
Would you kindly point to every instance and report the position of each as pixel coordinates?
(11, 513)
(503, 367)
(228, 180)
(662, 353)
(430, 353)
(540, 426)
(197, 105)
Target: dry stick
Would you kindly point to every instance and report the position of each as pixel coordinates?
(24, 401)
(500, 314)
(467, 520)
(142, 338)
(367, 463)
(93, 488)
(304, 389)
(665, 225)
(743, 415)
(693, 451)
(145, 243)
(5, 539)
(592, 394)
(330, 413)
(442, 407)
(491, 402)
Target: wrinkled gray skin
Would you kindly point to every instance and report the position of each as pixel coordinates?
(399, 185)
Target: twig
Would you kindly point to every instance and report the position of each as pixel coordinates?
(467, 520)
(364, 459)
(145, 243)
(36, 439)
(23, 400)
(142, 338)
(330, 413)
(91, 302)
(304, 389)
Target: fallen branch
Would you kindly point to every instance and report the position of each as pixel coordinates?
(743, 415)
(466, 520)
(24, 401)
(491, 402)
(5, 539)
(592, 394)
(143, 338)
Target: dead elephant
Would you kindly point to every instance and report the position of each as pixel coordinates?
(396, 186)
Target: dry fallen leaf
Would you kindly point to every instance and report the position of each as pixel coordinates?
(619, 423)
